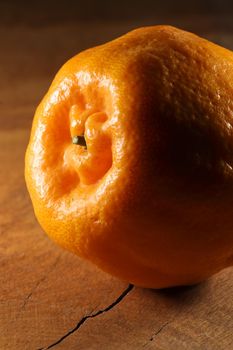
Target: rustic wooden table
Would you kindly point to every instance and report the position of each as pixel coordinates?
(48, 297)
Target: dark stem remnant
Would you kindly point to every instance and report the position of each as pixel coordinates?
(79, 140)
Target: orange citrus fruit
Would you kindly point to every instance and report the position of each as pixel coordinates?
(130, 159)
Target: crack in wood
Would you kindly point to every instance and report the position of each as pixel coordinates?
(85, 318)
(27, 298)
(157, 332)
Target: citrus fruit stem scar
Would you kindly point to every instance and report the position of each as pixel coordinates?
(79, 140)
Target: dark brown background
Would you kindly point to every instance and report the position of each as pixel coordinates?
(48, 297)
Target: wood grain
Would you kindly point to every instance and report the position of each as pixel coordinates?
(48, 297)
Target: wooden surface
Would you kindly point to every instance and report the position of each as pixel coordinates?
(48, 297)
